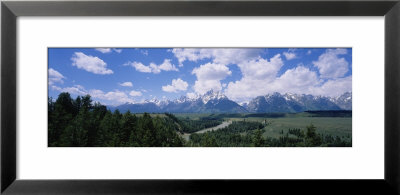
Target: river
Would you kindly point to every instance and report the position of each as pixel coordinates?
(220, 126)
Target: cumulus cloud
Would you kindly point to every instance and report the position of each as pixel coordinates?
(211, 71)
(165, 66)
(262, 68)
(289, 55)
(55, 77)
(297, 80)
(153, 68)
(135, 93)
(183, 54)
(209, 77)
(257, 76)
(330, 65)
(126, 84)
(90, 63)
(139, 66)
(176, 86)
(334, 87)
(221, 56)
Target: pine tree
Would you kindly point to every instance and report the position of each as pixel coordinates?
(147, 130)
(312, 138)
(258, 139)
(105, 131)
(129, 123)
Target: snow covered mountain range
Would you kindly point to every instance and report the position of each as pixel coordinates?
(216, 102)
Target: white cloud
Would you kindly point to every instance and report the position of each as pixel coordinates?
(104, 50)
(113, 97)
(176, 86)
(309, 52)
(289, 55)
(139, 66)
(202, 86)
(235, 56)
(209, 76)
(90, 63)
(222, 56)
(334, 87)
(154, 68)
(55, 77)
(108, 50)
(246, 89)
(257, 77)
(76, 90)
(165, 66)
(262, 68)
(116, 97)
(330, 65)
(135, 93)
(211, 71)
(297, 80)
(126, 84)
(190, 54)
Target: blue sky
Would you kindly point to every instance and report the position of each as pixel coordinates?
(115, 76)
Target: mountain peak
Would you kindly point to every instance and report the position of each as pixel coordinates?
(212, 95)
(210, 92)
(275, 94)
(182, 99)
(344, 101)
(154, 101)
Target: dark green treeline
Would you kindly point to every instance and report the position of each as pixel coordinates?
(80, 123)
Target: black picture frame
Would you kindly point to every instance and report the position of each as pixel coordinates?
(10, 10)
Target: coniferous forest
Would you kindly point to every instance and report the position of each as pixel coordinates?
(80, 122)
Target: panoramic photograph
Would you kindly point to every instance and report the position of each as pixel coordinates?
(199, 97)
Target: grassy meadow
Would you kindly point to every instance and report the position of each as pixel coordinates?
(278, 124)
